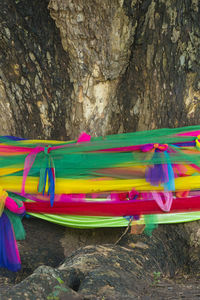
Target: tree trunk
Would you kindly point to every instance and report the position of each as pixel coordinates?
(134, 64)
(161, 85)
(127, 65)
(34, 83)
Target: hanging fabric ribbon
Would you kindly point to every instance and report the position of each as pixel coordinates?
(170, 184)
(9, 253)
(197, 142)
(29, 163)
(47, 172)
(163, 199)
(3, 196)
(47, 176)
(159, 173)
(156, 173)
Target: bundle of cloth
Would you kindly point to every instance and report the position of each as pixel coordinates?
(150, 177)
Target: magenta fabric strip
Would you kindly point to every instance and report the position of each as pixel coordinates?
(29, 160)
(191, 133)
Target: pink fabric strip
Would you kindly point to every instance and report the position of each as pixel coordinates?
(84, 137)
(12, 206)
(164, 200)
(128, 148)
(14, 149)
(16, 248)
(28, 164)
(191, 133)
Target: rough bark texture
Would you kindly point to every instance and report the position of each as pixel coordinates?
(161, 85)
(98, 36)
(133, 64)
(34, 82)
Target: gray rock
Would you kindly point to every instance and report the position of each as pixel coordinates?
(126, 271)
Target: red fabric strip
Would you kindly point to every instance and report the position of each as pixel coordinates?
(122, 208)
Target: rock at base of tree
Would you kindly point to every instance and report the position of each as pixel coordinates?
(126, 271)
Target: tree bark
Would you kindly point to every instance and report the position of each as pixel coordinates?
(134, 64)
(161, 85)
(98, 36)
(127, 65)
(34, 82)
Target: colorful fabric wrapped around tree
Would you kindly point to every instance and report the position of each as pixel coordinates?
(149, 177)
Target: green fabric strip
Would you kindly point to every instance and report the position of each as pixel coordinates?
(96, 222)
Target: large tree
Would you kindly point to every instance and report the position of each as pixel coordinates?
(100, 66)
(122, 66)
(134, 64)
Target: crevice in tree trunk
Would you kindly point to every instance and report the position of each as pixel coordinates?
(33, 71)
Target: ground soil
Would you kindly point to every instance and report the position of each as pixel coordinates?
(42, 247)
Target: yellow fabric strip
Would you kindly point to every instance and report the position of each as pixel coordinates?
(48, 142)
(10, 170)
(3, 196)
(67, 186)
